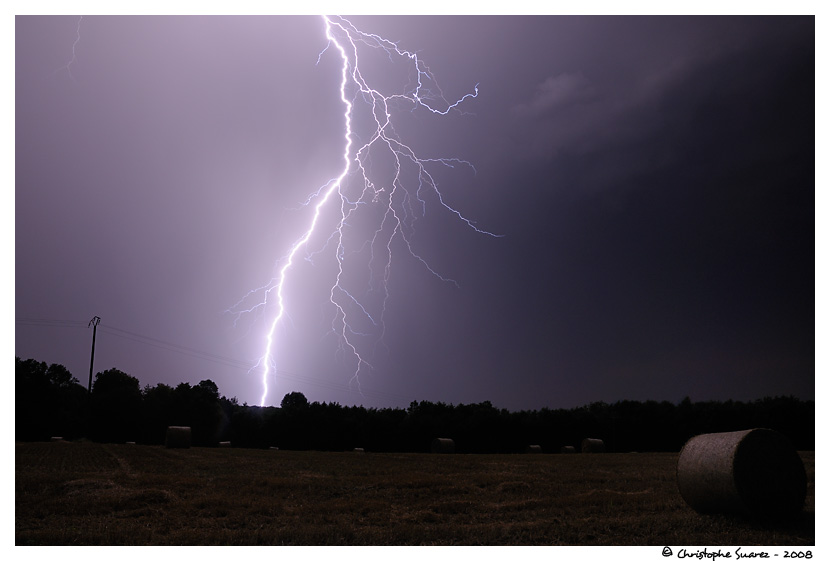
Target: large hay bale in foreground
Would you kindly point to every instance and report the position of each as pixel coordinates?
(756, 472)
(533, 449)
(443, 446)
(567, 450)
(593, 446)
(177, 437)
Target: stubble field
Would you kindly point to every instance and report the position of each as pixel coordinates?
(116, 494)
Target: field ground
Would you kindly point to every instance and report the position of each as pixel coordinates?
(116, 494)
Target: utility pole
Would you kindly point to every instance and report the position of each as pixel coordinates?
(94, 323)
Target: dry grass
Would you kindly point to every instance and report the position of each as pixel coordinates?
(84, 493)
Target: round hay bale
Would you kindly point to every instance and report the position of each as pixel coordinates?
(56, 439)
(358, 450)
(533, 449)
(273, 448)
(129, 442)
(567, 450)
(225, 444)
(443, 446)
(593, 446)
(177, 437)
(756, 472)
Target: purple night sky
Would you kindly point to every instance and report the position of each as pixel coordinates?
(653, 179)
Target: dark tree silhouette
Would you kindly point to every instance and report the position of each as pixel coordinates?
(206, 413)
(157, 413)
(116, 406)
(294, 401)
(49, 401)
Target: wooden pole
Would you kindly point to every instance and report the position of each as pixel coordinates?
(94, 323)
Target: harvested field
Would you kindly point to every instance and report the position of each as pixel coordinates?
(113, 494)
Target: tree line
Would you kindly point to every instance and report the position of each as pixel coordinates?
(49, 402)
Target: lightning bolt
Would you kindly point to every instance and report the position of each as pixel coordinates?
(390, 205)
(68, 65)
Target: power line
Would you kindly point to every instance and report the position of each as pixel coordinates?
(36, 322)
(181, 349)
(236, 363)
(247, 366)
(192, 352)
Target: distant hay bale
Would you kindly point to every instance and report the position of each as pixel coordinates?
(443, 446)
(593, 446)
(358, 450)
(273, 448)
(177, 437)
(225, 444)
(56, 439)
(756, 472)
(567, 450)
(130, 442)
(533, 449)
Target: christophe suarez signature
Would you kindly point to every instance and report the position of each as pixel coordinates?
(715, 554)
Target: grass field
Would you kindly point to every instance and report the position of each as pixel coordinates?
(117, 494)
